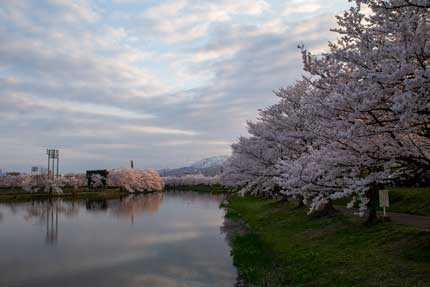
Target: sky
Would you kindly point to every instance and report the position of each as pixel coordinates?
(165, 83)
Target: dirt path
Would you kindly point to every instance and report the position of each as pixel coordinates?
(419, 221)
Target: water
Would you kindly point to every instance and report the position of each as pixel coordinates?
(161, 239)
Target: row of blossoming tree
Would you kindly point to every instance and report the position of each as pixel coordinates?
(191, 180)
(357, 121)
(130, 180)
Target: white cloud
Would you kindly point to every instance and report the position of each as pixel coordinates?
(65, 106)
(93, 82)
(272, 26)
(184, 20)
(302, 7)
(77, 10)
(158, 130)
(206, 54)
(195, 142)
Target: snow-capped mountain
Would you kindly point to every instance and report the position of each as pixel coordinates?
(210, 162)
(209, 166)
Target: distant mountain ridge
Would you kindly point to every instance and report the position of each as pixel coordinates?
(210, 162)
(210, 166)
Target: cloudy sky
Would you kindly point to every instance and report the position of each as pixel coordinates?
(163, 82)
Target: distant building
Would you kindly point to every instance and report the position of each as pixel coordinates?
(37, 170)
(13, 173)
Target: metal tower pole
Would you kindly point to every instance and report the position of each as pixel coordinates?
(58, 160)
(49, 160)
(53, 167)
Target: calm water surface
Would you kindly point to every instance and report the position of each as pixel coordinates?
(160, 239)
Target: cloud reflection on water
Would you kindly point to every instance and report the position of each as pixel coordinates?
(174, 240)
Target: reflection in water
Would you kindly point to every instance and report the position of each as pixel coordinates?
(174, 240)
(137, 204)
(51, 227)
(48, 213)
(37, 211)
(96, 204)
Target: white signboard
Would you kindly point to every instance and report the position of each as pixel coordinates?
(384, 200)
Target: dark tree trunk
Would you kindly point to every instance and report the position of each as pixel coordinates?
(328, 209)
(284, 198)
(372, 195)
(300, 203)
(277, 193)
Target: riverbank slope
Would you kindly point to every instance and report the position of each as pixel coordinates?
(285, 247)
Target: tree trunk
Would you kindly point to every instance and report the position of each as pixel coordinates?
(372, 195)
(284, 198)
(328, 209)
(300, 203)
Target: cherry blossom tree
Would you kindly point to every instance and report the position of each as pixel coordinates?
(74, 180)
(42, 184)
(135, 180)
(357, 121)
(374, 88)
(283, 132)
(13, 181)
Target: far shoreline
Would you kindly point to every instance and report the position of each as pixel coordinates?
(18, 195)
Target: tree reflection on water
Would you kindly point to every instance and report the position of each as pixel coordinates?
(49, 213)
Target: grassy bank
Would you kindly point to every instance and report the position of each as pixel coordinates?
(12, 195)
(410, 200)
(284, 247)
(16, 195)
(200, 188)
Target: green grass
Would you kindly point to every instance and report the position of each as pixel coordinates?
(285, 247)
(410, 200)
(200, 188)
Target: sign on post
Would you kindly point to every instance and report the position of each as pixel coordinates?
(384, 200)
